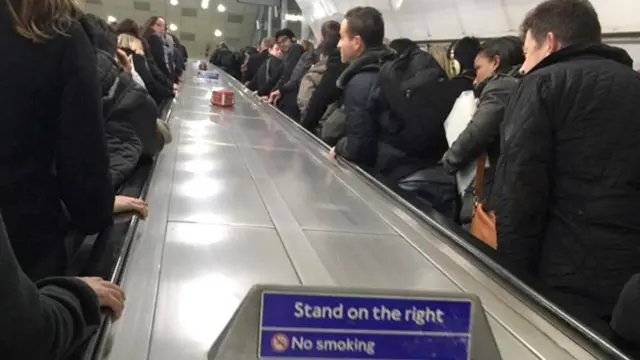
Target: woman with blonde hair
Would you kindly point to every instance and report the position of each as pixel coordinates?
(130, 40)
(53, 178)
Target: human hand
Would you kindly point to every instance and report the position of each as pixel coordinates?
(274, 97)
(127, 203)
(124, 60)
(110, 295)
(332, 153)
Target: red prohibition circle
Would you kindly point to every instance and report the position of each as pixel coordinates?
(279, 342)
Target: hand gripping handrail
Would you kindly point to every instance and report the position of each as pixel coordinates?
(118, 269)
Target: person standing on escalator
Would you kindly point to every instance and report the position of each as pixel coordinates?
(54, 167)
(285, 94)
(567, 182)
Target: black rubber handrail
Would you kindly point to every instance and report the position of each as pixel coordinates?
(606, 37)
(118, 268)
(453, 232)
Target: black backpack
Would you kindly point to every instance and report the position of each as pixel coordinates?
(413, 84)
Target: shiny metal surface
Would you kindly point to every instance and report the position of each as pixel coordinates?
(241, 198)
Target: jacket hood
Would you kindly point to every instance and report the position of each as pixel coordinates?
(369, 60)
(105, 47)
(108, 71)
(586, 50)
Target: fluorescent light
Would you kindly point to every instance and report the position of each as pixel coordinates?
(217, 33)
(292, 17)
(111, 19)
(173, 27)
(205, 4)
(257, 24)
(222, 8)
(173, 2)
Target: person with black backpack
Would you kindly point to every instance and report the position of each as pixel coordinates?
(371, 139)
(412, 86)
(268, 74)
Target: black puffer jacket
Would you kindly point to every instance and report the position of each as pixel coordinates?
(364, 106)
(130, 113)
(567, 186)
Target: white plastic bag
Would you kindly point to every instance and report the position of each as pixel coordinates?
(458, 119)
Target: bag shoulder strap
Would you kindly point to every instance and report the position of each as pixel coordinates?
(480, 167)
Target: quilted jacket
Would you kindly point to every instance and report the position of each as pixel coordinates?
(567, 183)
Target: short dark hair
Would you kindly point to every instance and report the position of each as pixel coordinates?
(328, 46)
(286, 33)
(403, 45)
(366, 22)
(330, 28)
(571, 21)
(508, 49)
(465, 51)
(129, 27)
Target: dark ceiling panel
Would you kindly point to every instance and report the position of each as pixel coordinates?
(189, 12)
(142, 5)
(235, 18)
(187, 36)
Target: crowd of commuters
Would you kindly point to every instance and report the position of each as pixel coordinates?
(76, 126)
(555, 128)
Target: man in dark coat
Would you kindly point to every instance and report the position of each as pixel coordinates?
(268, 74)
(255, 61)
(568, 179)
(286, 96)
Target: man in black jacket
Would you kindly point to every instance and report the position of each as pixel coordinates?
(361, 36)
(568, 179)
(255, 61)
(286, 96)
(268, 74)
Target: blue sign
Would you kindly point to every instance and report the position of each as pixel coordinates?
(209, 75)
(364, 327)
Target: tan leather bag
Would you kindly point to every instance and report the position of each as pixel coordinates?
(483, 223)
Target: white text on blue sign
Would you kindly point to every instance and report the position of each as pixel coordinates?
(364, 327)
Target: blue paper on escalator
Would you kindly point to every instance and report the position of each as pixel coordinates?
(364, 327)
(207, 75)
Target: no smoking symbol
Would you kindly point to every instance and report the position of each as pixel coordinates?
(279, 342)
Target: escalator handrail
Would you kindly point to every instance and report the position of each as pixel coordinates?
(116, 274)
(456, 236)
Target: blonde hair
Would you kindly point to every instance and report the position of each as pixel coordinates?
(130, 42)
(307, 45)
(439, 52)
(40, 20)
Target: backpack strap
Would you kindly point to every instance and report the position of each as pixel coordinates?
(267, 75)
